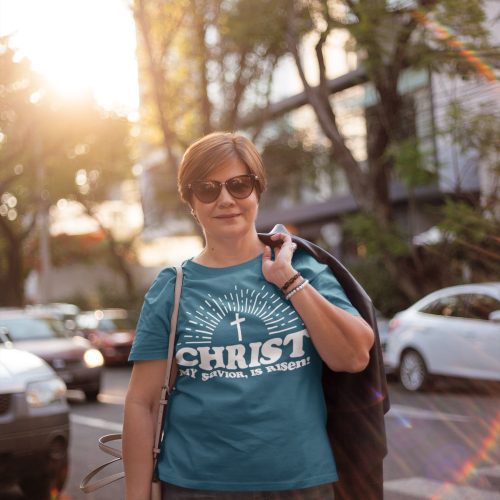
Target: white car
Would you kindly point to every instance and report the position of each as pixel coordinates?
(34, 427)
(452, 332)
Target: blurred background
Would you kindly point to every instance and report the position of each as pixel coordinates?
(378, 121)
(379, 130)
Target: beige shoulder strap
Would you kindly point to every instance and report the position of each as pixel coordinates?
(171, 370)
(170, 375)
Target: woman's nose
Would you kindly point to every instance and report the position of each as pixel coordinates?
(225, 197)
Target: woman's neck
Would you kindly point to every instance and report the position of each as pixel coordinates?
(222, 253)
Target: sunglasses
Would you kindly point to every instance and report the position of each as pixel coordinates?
(239, 187)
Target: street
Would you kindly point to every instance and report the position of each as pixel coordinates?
(444, 444)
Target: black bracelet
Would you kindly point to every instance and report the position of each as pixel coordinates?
(290, 281)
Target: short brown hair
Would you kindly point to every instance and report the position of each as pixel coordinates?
(214, 150)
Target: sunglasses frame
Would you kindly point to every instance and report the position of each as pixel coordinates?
(254, 178)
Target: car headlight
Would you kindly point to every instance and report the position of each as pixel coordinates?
(93, 358)
(44, 392)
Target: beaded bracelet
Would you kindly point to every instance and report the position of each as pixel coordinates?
(290, 281)
(296, 289)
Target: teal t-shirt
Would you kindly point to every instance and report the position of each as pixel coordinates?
(248, 410)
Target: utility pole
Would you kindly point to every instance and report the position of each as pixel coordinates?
(45, 268)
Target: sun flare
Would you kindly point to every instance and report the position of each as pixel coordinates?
(78, 46)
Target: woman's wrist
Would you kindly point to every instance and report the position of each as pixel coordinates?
(283, 276)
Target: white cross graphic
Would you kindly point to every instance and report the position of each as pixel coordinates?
(237, 322)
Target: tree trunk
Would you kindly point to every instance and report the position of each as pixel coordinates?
(157, 82)
(122, 267)
(369, 188)
(118, 259)
(202, 59)
(12, 283)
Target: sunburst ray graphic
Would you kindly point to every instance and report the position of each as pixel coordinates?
(238, 306)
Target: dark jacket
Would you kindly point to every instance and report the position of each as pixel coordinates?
(356, 402)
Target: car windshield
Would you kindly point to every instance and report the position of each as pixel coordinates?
(26, 328)
(112, 324)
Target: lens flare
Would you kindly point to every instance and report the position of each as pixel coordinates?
(444, 33)
(469, 467)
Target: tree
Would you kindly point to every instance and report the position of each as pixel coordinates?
(296, 167)
(210, 64)
(203, 65)
(389, 39)
(472, 224)
(46, 144)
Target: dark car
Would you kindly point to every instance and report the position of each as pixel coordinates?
(111, 331)
(71, 356)
(34, 427)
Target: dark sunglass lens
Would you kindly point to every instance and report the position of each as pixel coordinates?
(206, 191)
(241, 186)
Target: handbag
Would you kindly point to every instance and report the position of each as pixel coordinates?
(170, 374)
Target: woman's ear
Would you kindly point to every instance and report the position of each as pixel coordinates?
(193, 213)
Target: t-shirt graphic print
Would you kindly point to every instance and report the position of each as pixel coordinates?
(248, 410)
(240, 334)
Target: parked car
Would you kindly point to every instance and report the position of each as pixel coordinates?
(34, 426)
(112, 331)
(71, 356)
(453, 332)
(65, 312)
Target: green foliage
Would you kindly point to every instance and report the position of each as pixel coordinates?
(380, 286)
(294, 166)
(473, 240)
(65, 136)
(475, 130)
(212, 60)
(253, 25)
(50, 148)
(412, 166)
(470, 224)
(85, 249)
(464, 17)
(365, 229)
(107, 297)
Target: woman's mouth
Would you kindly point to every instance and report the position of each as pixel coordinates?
(227, 216)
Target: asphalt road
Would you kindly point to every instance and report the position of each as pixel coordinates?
(443, 444)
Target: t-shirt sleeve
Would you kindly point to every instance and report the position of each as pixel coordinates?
(321, 277)
(152, 331)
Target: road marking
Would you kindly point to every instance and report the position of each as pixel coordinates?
(398, 411)
(96, 422)
(421, 487)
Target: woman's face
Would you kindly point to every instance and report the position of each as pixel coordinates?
(227, 217)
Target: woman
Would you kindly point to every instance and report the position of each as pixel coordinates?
(247, 417)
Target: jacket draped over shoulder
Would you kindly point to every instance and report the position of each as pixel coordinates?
(356, 402)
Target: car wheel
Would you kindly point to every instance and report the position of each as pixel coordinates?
(413, 373)
(50, 482)
(92, 394)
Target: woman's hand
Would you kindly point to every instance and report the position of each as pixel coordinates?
(279, 270)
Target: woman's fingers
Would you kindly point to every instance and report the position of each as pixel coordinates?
(286, 249)
(267, 253)
(286, 238)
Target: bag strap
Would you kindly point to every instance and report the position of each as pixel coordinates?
(89, 488)
(114, 452)
(170, 376)
(171, 370)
